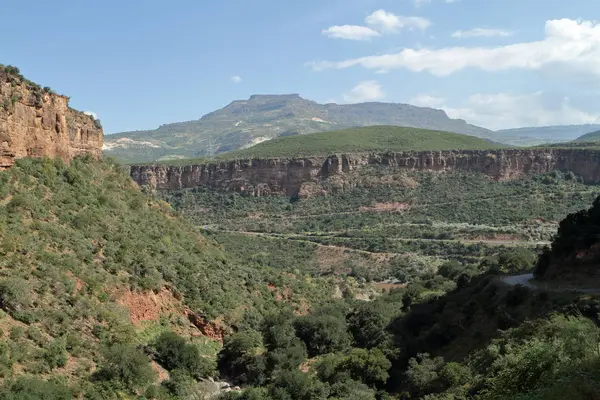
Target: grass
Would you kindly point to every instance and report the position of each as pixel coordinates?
(356, 140)
(589, 137)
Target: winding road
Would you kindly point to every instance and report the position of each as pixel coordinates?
(525, 280)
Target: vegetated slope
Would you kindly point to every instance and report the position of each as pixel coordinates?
(389, 213)
(589, 137)
(533, 136)
(88, 262)
(574, 257)
(244, 123)
(356, 140)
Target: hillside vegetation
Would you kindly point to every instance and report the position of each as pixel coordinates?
(263, 117)
(92, 271)
(354, 140)
(589, 137)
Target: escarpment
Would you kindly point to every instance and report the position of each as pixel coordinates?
(293, 177)
(36, 122)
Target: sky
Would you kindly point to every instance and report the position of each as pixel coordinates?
(139, 64)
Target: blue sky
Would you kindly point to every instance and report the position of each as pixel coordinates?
(497, 63)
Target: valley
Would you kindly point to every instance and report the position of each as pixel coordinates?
(371, 263)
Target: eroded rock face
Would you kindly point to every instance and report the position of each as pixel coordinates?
(293, 177)
(38, 123)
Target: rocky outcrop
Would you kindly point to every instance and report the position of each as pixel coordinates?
(36, 122)
(292, 177)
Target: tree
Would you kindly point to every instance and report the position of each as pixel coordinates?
(242, 357)
(351, 390)
(174, 353)
(322, 334)
(451, 269)
(368, 366)
(368, 323)
(127, 365)
(297, 385)
(422, 372)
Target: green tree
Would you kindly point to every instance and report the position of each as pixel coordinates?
(174, 353)
(322, 334)
(423, 372)
(297, 385)
(126, 365)
(368, 323)
(242, 357)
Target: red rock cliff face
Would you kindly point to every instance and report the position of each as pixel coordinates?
(37, 123)
(288, 177)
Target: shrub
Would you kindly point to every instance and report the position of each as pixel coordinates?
(34, 388)
(174, 353)
(242, 357)
(368, 323)
(126, 365)
(322, 334)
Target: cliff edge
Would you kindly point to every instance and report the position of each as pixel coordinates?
(304, 176)
(36, 122)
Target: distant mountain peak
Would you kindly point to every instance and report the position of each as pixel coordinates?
(292, 96)
(261, 117)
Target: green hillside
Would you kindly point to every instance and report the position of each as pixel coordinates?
(355, 140)
(373, 138)
(589, 137)
(243, 123)
(92, 270)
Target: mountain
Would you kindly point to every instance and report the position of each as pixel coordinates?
(533, 136)
(589, 137)
(244, 123)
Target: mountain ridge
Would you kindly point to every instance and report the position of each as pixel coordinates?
(243, 123)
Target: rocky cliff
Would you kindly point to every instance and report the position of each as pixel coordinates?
(36, 122)
(292, 177)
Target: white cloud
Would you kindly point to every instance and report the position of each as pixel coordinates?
(378, 23)
(506, 110)
(236, 79)
(567, 43)
(350, 32)
(91, 114)
(482, 32)
(386, 22)
(364, 91)
(426, 100)
(419, 3)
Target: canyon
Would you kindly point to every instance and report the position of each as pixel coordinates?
(36, 122)
(306, 176)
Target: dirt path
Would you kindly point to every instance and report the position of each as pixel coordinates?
(308, 237)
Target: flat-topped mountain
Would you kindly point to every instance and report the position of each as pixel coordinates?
(244, 123)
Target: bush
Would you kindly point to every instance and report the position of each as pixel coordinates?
(368, 366)
(322, 334)
(297, 385)
(56, 354)
(34, 388)
(173, 353)
(126, 365)
(242, 357)
(368, 323)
